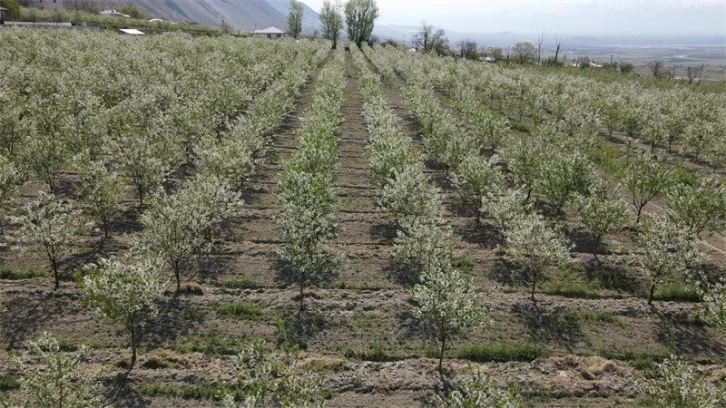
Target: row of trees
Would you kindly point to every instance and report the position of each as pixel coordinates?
(359, 17)
(446, 301)
(307, 191)
(566, 178)
(61, 380)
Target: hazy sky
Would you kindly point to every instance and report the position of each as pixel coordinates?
(559, 16)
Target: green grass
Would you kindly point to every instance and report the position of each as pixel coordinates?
(202, 390)
(210, 344)
(639, 360)
(570, 290)
(9, 382)
(374, 352)
(240, 284)
(519, 127)
(238, 311)
(677, 293)
(12, 274)
(482, 353)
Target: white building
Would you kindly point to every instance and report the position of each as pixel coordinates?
(270, 32)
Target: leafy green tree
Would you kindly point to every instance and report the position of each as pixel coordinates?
(479, 391)
(294, 18)
(50, 225)
(668, 250)
(308, 203)
(525, 52)
(446, 303)
(101, 190)
(331, 20)
(409, 194)
(173, 232)
(563, 175)
(58, 379)
(360, 16)
(141, 160)
(125, 293)
(526, 158)
(645, 179)
(680, 385)
(535, 246)
(474, 177)
(423, 242)
(700, 206)
(601, 212)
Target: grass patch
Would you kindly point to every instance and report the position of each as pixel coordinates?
(210, 344)
(570, 290)
(11, 274)
(238, 311)
(9, 382)
(464, 264)
(240, 284)
(519, 127)
(639, 360)
(202, 390)
(677, 293)
(375, 352)
(482, 353)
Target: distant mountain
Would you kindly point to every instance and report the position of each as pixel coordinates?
(241, 14)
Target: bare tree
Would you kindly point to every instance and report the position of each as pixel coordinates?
(428, 39)
(540, 41)
(694, 73)
(468, 49)
(559, 42)
(657, 67)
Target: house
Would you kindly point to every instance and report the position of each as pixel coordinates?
(490, 60)
(130, 31)
(271, 32)
(113, 13)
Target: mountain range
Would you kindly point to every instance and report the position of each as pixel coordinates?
(244, 15)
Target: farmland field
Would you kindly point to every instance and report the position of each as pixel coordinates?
(212, 160)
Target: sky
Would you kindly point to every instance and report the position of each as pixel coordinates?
(612, 17)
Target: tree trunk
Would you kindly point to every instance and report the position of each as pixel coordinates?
(640, 211)
(534, 285)
(177, 275)
(302, 291)
(441, 356)
(132, 329)
(652, 292)
(54, 263)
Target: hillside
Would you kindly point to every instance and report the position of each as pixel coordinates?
(240, 14)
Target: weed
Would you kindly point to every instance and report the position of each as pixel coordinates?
(375, 352)
(240, 284)
(8, 382)
(11, 274)
(238, 311)
(501, 352)
(677, 293)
